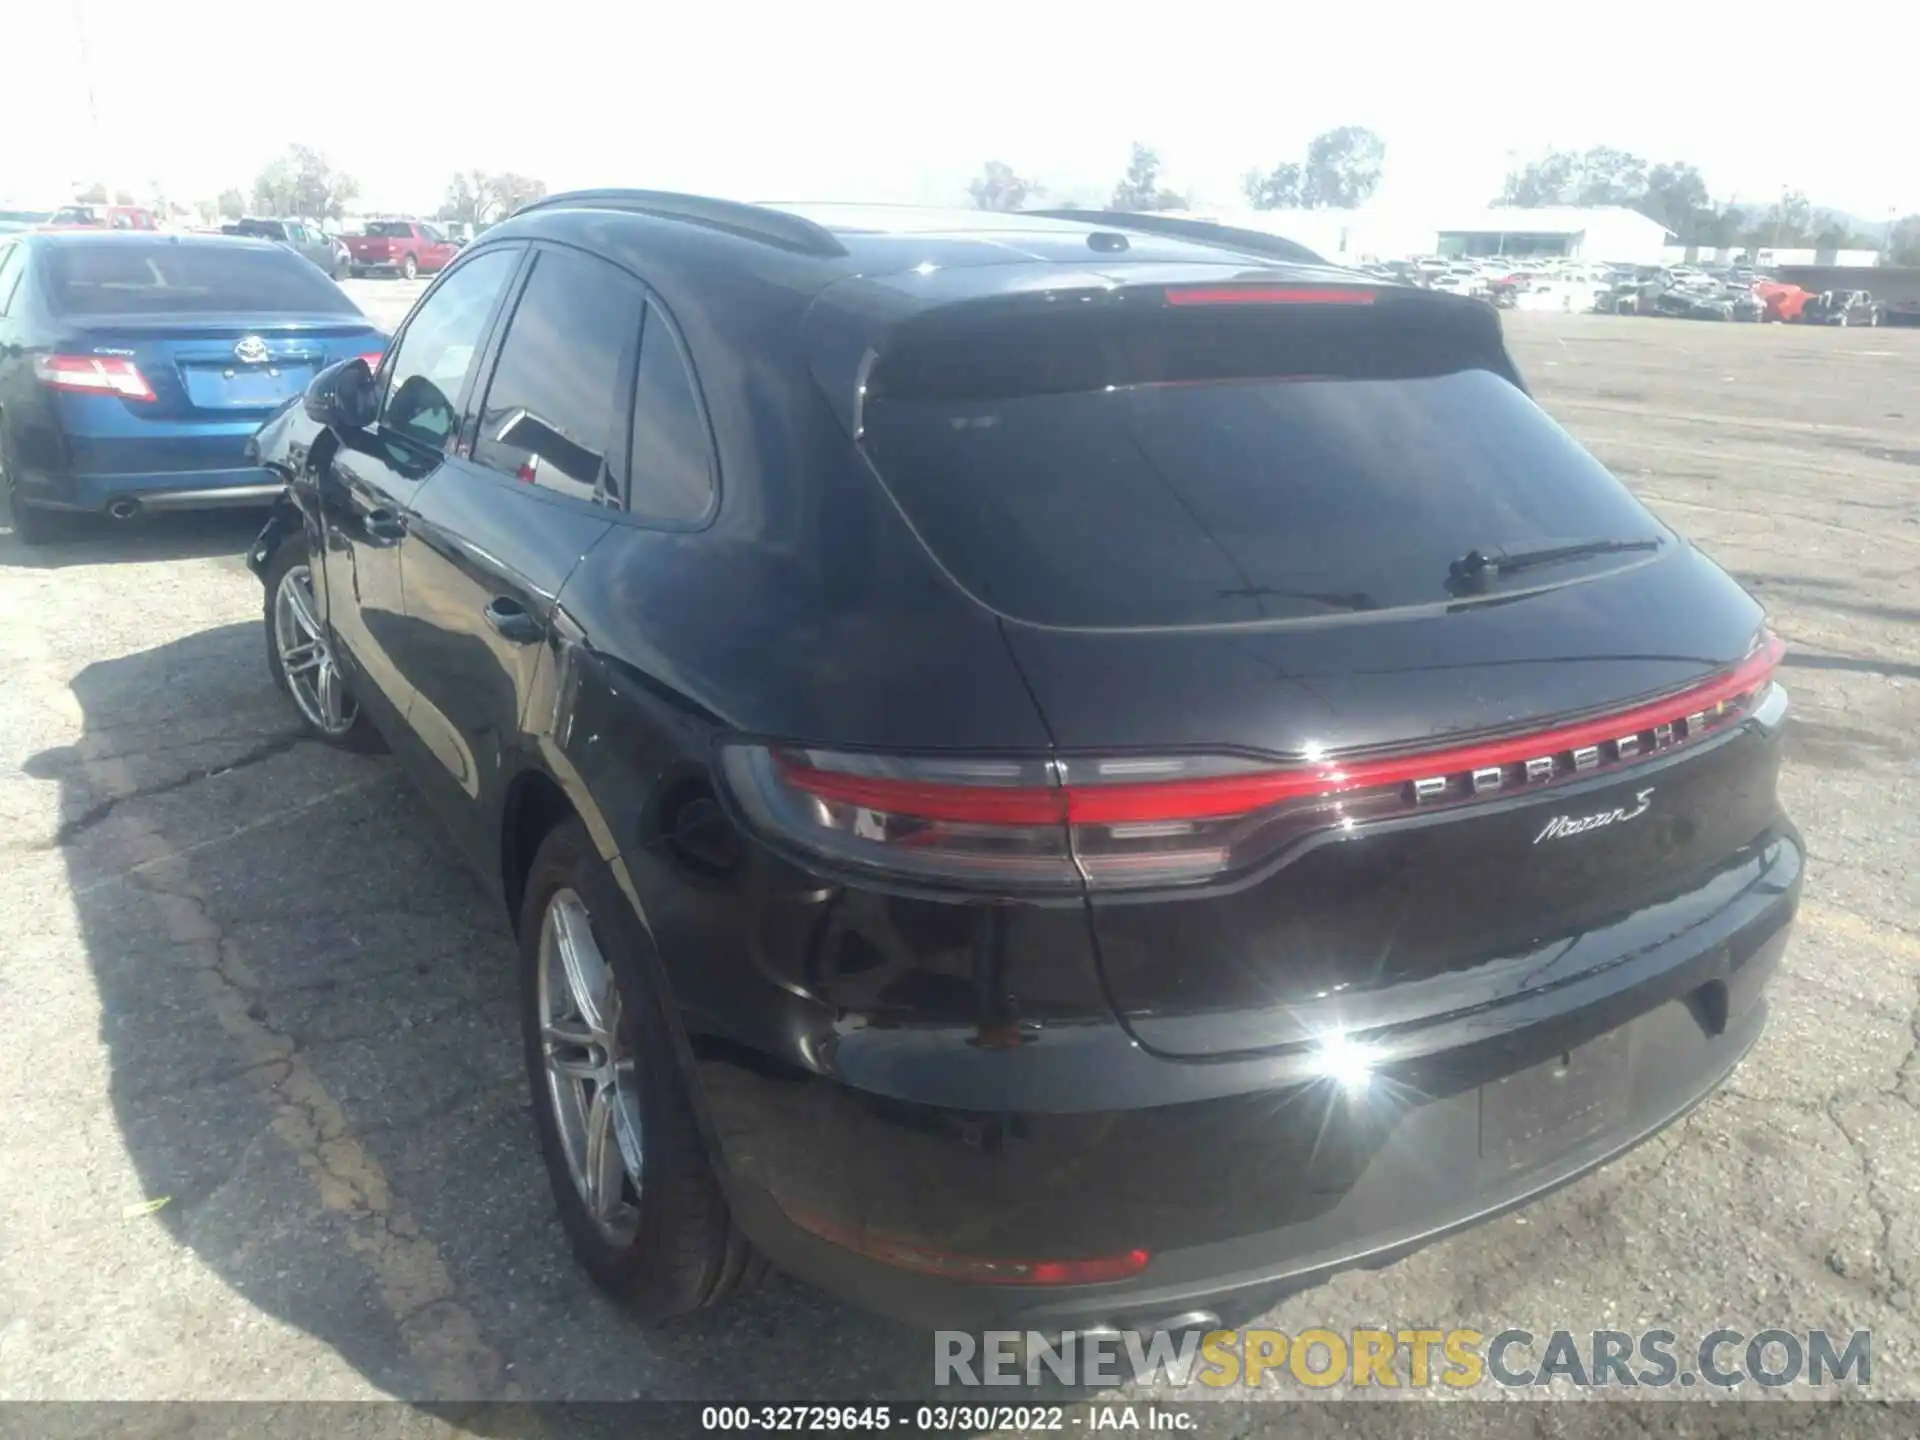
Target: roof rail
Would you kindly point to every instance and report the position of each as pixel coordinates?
(736, 217)
(1201, 232)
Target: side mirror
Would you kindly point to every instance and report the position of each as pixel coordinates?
(341, 396)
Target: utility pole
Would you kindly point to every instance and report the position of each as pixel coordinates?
(93, 105)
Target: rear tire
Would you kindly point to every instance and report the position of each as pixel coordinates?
(31, 525)
(659, 1238)
(331, 715)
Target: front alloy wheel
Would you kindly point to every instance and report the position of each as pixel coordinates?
(593, 1084)
(306, 658)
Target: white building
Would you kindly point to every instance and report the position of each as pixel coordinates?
(1610, 233)
(1603, 232)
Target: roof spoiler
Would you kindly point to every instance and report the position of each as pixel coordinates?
(736, 217)
(1201, 232)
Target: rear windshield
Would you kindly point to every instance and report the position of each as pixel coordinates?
(392, 229)
(166, 278)
(1223, 468)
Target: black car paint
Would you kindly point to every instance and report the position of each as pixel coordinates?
(990, 1078)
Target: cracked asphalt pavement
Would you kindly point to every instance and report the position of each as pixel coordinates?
(243, 974)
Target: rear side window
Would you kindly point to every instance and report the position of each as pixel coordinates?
(442, 340)
(553, 415)
(163, 277)
(1228, 465)
(392, 229)
(671, 473)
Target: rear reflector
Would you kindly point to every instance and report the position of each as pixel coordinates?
(94, 374)
(1268, 295)
(1130, 822)
(971, 1269)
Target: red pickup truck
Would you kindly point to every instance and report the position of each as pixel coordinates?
(400, 247)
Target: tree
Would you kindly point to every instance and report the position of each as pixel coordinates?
(1546, 181)
(1903, 241)
(94, 194)
(515, 191)
(1140, 189)
(1343, 167)
(1342, 170)
(477, 198)
(1672, 192)
(303, 183)
(1278, 189)
(1600, 176)
(999, 188)
(1788, 223)
(1677, 197)
(1722, 228)
(232, 204)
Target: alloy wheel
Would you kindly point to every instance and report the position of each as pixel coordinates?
(593, 1084)
(306, 658)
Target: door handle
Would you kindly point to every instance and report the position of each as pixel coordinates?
(385, 525)
(509, 619)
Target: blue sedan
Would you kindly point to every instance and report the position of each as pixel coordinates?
(135, 367)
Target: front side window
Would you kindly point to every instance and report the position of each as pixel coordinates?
(553, 416)
(430, 368)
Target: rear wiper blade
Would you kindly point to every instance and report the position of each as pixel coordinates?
(1476, 568)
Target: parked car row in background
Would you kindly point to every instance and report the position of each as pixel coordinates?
(329, 252)
(1716, 292)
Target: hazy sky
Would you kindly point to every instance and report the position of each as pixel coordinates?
(831, 99)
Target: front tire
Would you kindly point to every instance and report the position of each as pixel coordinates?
(301, 659)
(636, 1193)
(409, 268)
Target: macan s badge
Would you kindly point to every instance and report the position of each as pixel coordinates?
(1562, 826)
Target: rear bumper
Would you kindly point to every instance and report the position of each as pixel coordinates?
(1244, 1178)
(247, 485)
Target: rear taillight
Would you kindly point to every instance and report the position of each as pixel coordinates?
(93, 374)
(1131, 822)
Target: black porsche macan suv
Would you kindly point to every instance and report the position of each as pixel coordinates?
(1065, 771)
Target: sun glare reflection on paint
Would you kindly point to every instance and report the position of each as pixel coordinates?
(1348, 1063)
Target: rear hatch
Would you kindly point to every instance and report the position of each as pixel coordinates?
(215, 333)
(1241, 533)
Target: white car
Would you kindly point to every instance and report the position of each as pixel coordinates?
(1568, 297)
